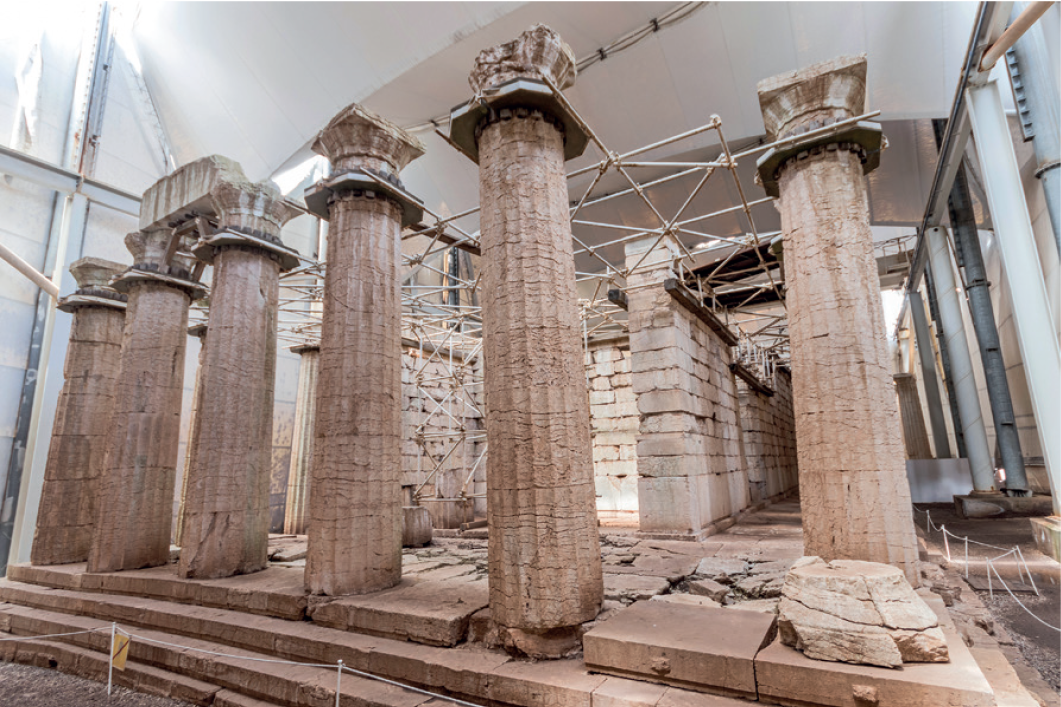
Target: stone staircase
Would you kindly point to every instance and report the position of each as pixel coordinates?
(230, 658)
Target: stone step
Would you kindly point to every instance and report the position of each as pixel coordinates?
(433, 612)
(253, 675)
(699, 647)
(92, 665)
(473, 673)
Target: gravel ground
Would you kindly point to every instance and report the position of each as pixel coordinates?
(27, 686)
(1038, 644)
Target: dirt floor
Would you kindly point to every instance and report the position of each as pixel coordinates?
(26, 686)
(1038, 645)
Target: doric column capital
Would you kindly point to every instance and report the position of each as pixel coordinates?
(151, 253)
(366, 152)
(251, 215)
(798, 101)
(358, 139)
(509, 81)
(93, 277)
(536, 54)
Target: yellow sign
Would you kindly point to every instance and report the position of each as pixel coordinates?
(119, 651)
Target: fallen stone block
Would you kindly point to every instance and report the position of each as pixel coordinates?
(857, 612)
(632, 587)
(709, 588)
(721, 569)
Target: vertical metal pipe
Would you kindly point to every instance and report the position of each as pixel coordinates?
(1031, 66)
(978, 292)
(940, 439)
(944, 359)
(1036, 332)
(961, 359)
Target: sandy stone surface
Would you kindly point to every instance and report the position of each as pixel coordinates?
(915, 435)
(135, 512)
(355, 516)
(76, 456)
(858, 612)
(545, 570)
(856, 498)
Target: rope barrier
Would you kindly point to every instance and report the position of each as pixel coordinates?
(340, 666)
(1015, 550)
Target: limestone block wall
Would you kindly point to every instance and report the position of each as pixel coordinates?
(768, 428)
(614, 421)
(459, 406)
(690, 455)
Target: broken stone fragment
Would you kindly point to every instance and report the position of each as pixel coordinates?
(857, 612)
(722, 569)
(709, 588)
(537, 53)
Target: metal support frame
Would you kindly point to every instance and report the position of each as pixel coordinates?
(1032, 316)
(940, 437)
(968, 398)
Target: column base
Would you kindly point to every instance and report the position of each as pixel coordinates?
(997, 505)
(1047, 533)
(549, 645)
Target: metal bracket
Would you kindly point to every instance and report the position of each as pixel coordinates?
(517, 93)
(864, 133)
(204, 247)
(317, 195)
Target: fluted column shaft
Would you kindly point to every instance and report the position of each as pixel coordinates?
(853, 487)
(135, 511)
(226, 509)
(355, 531)
(76, 456)
(544, 555)
(915, 435)
(298, 478)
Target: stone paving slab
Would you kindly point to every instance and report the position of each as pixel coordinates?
(696, 647)
(433, 613)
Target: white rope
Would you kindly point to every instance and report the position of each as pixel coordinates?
(53, 635)
(1030, 613)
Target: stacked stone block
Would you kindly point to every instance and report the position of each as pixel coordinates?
(614, 421)
(769, 430)
(461, 406)
(690, 457)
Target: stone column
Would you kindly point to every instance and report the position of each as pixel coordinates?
(82, 417)
(198, 331)
(226, 511)
(134, 517)
(915, 435)
(691, 467)
(355, 503)
(302, 439)
(855, 496)
(544, 553)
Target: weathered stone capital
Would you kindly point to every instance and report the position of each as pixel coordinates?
(149, 249)
(817, 95)
(357, 138)
(537, 54)
(95, 273)
(256, 208)
(93, 277)
(305, 348)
